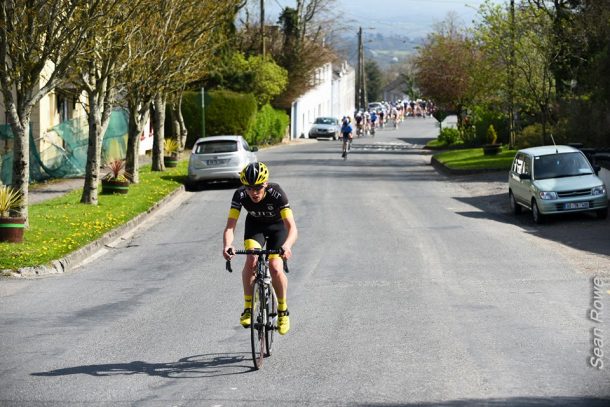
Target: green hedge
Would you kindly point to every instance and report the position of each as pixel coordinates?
(226, 112)
(269, 126)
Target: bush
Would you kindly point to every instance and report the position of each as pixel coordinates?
(268, 127)
(483, 117)
(449, 136)
(530, 136)
(226, 112)
(468, 135)
(492, 136)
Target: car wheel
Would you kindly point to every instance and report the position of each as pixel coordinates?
(536, 215)
(602, 213)
(514, 206)
(189, 186)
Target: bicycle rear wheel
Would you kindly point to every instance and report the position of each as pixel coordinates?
(257, 327)
(271, 320)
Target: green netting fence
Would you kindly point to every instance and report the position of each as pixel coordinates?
(62, 151)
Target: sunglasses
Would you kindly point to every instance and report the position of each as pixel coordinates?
(255, 187)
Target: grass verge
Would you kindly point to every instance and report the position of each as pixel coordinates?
(474, 159)
(61, 225)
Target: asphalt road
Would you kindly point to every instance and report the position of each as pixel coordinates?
(406, 288)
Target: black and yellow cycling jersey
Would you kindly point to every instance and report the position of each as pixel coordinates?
(274, 207)
(265, 220)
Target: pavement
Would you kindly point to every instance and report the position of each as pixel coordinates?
(54, 188)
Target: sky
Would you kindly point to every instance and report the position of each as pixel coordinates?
(413, 18)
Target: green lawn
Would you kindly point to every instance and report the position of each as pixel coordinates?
(61, 225)
(474, 159)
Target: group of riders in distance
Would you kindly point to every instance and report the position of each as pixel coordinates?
(380, 114)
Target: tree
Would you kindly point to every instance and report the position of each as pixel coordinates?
(565, 40)
(255, 74)
(301, 49)
(373, 80)
(96, 76)
(534, 55)
(444, 66)
(40, 43)
(174, 46)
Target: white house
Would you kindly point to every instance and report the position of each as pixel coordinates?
(333, 95)
(344, 90)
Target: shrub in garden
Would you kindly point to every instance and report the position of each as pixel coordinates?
(530, 136)
(449, 136)
(483, 117)
(492, 136)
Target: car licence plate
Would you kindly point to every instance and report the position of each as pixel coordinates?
(576, 205)
(216, 162)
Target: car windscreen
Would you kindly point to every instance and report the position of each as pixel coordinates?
(324, 120)
(561, 165)
(215, 147)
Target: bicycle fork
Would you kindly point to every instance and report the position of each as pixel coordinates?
(270, 317)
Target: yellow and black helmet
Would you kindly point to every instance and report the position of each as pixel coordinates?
(254, 174)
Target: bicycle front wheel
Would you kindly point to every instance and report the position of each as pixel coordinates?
(257, 326)
(271, 320)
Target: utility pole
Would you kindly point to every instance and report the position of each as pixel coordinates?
(263, 28)
(361, 75)
(511, 79)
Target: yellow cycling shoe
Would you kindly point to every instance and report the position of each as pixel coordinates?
(283, 322)
(246, 318)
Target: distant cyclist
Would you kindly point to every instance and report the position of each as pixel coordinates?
(373, 122)
(359, 124)
(346, 133)
(269, 220)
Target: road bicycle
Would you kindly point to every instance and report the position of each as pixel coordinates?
(264, 305)
(346, 146)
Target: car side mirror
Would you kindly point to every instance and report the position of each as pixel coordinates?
(597, 169)
(525, 176)
(254, 149)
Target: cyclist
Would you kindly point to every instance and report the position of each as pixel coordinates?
(373, 122)
(359, 124)
(346, 132)
(269, 219)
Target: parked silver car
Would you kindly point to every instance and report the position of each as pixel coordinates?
(219, 158)
(555, 179)
(325, 127)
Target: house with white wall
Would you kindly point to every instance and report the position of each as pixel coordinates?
(344, 90)
(333, 96)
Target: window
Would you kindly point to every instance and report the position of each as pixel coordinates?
(561, 165)
(62, 108)
(215, 147)
(518, 164)
(245, 145)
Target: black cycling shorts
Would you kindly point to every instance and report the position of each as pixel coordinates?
(274, 233)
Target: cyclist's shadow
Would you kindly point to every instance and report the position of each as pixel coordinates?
(209, 365)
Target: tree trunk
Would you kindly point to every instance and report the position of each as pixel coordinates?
(183, 132)
(544, 121)
(94, 153)
(137, 118)
(159, 133)
(175, 128)
(21, 158)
